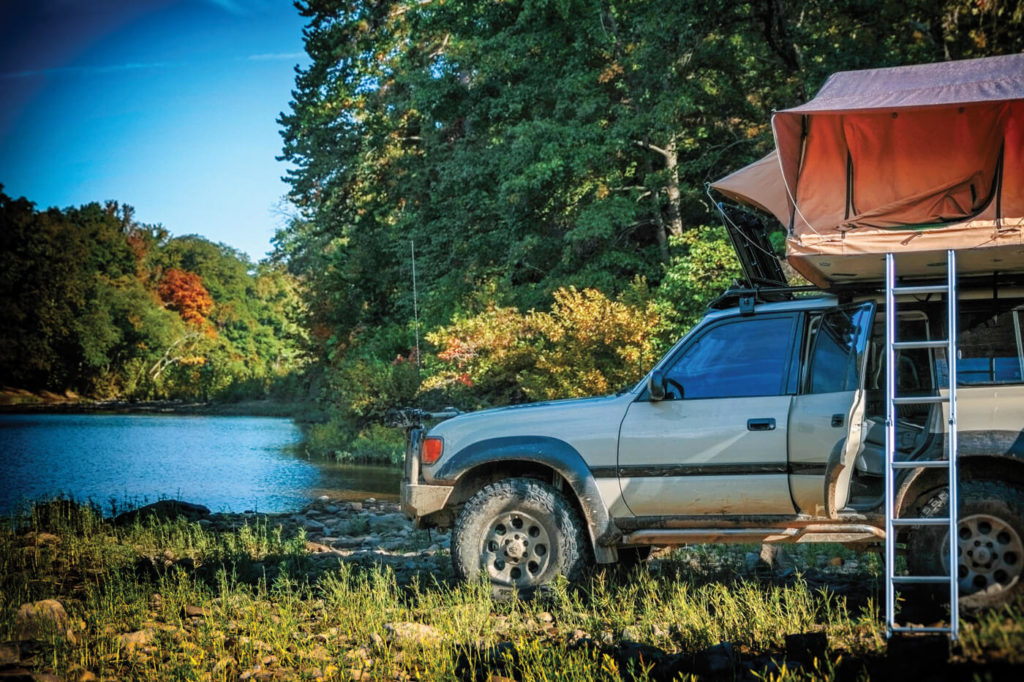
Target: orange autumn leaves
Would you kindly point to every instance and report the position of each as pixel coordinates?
(184, 292)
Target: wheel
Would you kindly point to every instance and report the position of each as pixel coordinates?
(990, 541)
(520, 533)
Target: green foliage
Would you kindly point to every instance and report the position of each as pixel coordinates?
(587, 344)
(94, 302)
(534, 149)
(703, 265)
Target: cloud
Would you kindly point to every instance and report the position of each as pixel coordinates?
(276, 56)
(84, 70)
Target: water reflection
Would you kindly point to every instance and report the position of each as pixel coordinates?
(225, 463)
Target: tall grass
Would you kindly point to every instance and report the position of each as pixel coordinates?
(249, 602)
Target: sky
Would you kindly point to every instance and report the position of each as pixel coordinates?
(169, 106)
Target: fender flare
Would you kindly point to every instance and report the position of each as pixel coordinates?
(550, 452)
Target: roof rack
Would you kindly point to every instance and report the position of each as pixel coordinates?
(746, 297)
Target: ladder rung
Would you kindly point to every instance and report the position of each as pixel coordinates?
(923, 629)
(926, 289)
(921, 521)
(918, 579)
(922, 464)
(914, 345)
(920, 400)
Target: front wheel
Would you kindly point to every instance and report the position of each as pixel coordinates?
(521, 533)
(990, 543)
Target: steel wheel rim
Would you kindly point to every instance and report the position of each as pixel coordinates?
(990, 554)
(516, 549)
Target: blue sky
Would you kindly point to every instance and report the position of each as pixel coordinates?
(167, 105)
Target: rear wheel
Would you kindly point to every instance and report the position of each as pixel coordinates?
(521, 533)
(990, 543)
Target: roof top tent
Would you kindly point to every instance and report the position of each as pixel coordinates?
(913, 160)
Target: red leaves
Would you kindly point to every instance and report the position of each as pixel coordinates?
(184, 291)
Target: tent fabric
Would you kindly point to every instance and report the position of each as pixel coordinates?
(904, 159)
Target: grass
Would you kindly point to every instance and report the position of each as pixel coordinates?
(170, 599)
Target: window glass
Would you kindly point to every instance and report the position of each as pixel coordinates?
(833, 361)
(990, 348)
(736, 359)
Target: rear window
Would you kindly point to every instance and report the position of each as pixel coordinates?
(990, 348)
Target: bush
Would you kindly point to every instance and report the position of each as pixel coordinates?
(587, 344)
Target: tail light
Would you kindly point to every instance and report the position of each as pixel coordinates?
(431, 450)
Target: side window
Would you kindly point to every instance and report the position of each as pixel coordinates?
(838, 335)
(990, 348)
(742, 358)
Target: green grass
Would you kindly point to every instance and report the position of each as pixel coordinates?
(250, 603)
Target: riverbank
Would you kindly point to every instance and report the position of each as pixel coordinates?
(13, 401)
(350, 591)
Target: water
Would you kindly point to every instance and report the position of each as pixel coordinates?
(226, 463)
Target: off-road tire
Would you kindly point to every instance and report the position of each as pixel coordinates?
(991, 562)
(520, 533)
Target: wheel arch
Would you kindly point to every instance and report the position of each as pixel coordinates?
(921, 482)
(540, 457)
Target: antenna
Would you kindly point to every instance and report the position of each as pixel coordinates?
(415, 303)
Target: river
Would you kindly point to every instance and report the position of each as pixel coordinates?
(226, 463)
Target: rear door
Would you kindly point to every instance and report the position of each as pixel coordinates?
(717, 443)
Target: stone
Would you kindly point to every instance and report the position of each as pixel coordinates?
(805, 647)
(16, 674)
(164, 509)
(355, 506)
(631, 633)
(10, 653)
(406, 635)
(41, 619)
(775, 556)
(716, 661)
(192, 611)
(133, 641)
(82, 675)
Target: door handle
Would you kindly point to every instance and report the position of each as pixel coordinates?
(761, 424)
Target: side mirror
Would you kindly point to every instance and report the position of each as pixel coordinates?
(656, 385)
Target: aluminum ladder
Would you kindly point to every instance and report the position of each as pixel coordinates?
(893, 466)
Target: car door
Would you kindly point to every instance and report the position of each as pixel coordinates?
(716, 444)
(827, 413)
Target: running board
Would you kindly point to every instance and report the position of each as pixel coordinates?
(822, 532)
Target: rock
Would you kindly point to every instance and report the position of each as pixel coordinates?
(192, 611)
(164, 509)
(377, 641)
(631, 633)
(805, 647)
(408, 635)
(133, 641)
(81, 675)
(41, 619)
(10, 653)
(16, 674)
(637, 656)
(355, 506)
(313, 526)
(775, 556)
(716, 660)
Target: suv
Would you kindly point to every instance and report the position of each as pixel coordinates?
(765, 423)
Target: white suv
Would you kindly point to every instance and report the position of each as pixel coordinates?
(764, 424)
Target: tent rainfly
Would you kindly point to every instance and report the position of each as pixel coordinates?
(912, 160)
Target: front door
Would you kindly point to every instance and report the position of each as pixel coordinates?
(717, 443)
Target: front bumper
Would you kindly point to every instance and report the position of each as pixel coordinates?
(419, 500)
